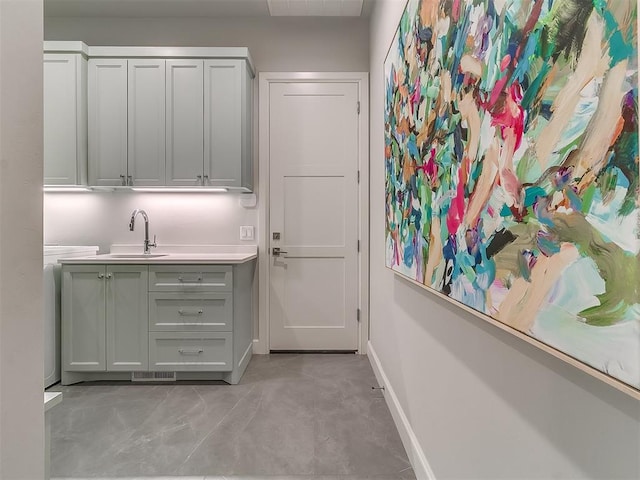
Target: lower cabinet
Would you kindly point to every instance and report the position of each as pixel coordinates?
(118, 319)
(104, 320)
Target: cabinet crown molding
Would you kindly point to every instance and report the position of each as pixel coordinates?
(241, 53)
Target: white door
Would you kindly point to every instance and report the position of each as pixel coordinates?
(313, 155)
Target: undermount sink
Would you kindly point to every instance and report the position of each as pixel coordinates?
(136, 255)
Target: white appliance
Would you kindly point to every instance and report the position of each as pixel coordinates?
(51, 293)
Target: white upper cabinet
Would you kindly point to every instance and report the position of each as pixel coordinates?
(65, 119)
(107, 122)
(169, 117)
(146, 109)
(184, 130)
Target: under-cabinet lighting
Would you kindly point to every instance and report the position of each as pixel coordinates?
(53, 188)
(180, 189)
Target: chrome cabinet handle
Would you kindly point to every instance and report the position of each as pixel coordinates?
(109, 275)
(187, 280)
(205, 180)
(129, 180)
(197, 351)
(200, 181)
(184, 313)
(101, 275)
(123, 180)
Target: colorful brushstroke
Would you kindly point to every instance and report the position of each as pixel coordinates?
(511, 156)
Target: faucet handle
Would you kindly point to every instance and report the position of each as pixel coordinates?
(155, 243)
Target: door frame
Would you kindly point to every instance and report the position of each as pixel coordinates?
(261, 341)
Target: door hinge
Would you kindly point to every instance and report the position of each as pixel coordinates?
(358, 314)
(358, 108)
(358, 176)
(358, 245)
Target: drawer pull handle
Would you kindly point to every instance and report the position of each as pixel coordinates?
(187, 280)
(184, 313)
(197, 351)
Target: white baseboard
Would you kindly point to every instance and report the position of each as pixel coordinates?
(259, 347)
(409, 440)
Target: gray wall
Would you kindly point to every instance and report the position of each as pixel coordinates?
(276, 44)
(482, 403)
(21, 327)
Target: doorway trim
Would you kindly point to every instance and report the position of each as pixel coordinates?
(261, 341)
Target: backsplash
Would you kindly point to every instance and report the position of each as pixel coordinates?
(102, 218)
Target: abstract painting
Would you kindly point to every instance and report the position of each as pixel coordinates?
(511, 159)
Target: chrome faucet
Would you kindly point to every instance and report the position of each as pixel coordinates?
(132, 224)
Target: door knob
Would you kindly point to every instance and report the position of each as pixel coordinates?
(277, 252)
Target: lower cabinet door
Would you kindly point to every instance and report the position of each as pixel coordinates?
(190, 351)
(83, 318)
(127, 318)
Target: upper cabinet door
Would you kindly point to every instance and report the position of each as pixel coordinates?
(223, 128)
(147, 122)
(107, 92)
(65, 119)
(185, 130)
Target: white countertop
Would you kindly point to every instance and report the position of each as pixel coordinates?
(170, 255)
(165, 259)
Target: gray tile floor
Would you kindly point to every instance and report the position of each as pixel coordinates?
(292, 416)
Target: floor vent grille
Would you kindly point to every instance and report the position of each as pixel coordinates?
(153, 376)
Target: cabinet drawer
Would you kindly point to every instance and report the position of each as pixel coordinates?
(187, 351)
(184, 278)
(188, 312)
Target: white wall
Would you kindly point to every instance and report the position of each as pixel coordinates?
(21, 327)
(276, 44)
(102, 219)
(481, 403)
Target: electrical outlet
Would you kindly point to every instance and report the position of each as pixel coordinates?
(246, 232)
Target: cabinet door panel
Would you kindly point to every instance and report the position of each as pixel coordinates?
(146, 122)
(83, 318)
(127, 318)
(185, 130)
(61, 119)
(223, 122)
(107, 103)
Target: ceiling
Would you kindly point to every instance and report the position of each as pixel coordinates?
(205, 8)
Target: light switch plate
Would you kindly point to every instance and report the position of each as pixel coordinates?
(246, 232)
